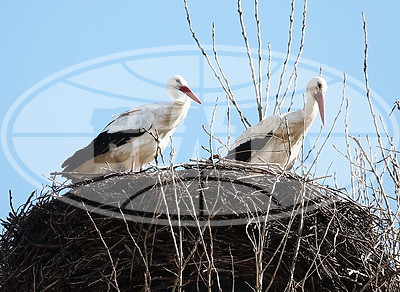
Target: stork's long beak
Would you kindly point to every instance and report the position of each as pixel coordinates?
(189, 93)
(320, 98)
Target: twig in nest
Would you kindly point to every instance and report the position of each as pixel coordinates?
(11, 202)
(105, 246)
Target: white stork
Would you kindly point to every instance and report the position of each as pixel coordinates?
(136, 137)
(279, 138)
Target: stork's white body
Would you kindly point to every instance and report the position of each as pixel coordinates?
(136, 137)
(279, 138)
(159, 122)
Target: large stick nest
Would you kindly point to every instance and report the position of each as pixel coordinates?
(212, 226)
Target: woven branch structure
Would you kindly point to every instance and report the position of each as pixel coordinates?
(196, 227)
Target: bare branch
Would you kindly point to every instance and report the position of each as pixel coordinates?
(147, 276)
(346, 134)
(368, 91)
(105, 246)
(294, 73)
(225, 87)
(228, 126)
(268, 80)
(253, 74)
(259, 41)
(211, 129)
(289, 45)
(333, 125)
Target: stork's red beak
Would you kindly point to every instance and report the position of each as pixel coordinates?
(320, 98)
(189, 93)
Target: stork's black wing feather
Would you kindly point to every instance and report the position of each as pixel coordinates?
(100, 145)
(243, 151)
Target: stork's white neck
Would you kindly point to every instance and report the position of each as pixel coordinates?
(182, 100)
(177, 96)
(311, 107)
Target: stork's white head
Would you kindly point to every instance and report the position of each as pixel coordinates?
(317, 88)
(179, 91)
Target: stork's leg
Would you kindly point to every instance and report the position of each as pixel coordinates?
(133, 163)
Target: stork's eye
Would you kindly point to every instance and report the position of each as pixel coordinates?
(319, 84)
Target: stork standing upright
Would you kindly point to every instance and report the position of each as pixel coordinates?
(135, 137)
(279, 138)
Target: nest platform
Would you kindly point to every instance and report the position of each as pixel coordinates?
(196, 227)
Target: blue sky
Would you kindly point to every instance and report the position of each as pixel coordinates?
(40, 38)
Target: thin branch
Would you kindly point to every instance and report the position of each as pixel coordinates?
(225, 87)
(229, 93)
(211, 130)
(259, 41)
(253, 74)
(268, 79)
(228, 126)
(346, 134)
(11, 202)
(289, 45)
(371, 106)
(300, 53)
(298, 241)
(214, 137)
(147, 276)
(333, 125)
(105, 246)
(376, 175)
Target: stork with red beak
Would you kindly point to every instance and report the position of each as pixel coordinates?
(279, 138)
(136, 137)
